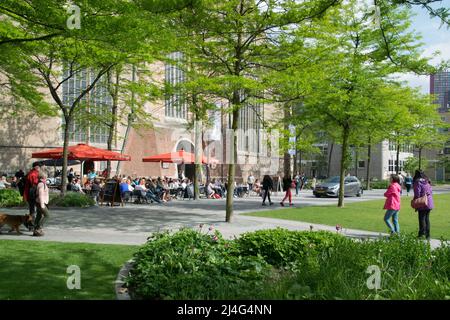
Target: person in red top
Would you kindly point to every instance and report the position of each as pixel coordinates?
(392, 204)
(29, 194)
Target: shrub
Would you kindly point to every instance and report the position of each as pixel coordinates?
(405, 263)
(280, 247)
(192, 265)
(382, 184)
(10, 198)
(283, 264)
(72, 199)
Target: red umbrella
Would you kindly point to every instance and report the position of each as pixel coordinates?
(177, 157)
(82, 152)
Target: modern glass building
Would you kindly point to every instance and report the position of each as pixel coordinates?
(440, 86)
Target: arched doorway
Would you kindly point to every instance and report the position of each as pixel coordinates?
(187, 169)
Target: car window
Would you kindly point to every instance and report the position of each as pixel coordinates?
(333, 180)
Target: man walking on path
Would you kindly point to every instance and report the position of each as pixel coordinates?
(250, 182)
(297, 183)
(408, 183)
(29, 194)
(267, 186)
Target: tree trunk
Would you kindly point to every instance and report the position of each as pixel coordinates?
(232, 165)
(112, 126)
(129, 120)
(198, 157)
(65, 154)
(344, 157)
(369, 156)
(329, 160)
(109, 146)
(420, 158)
(287, 132)
(296, 156)
(356, 161)
(397, 165)
(300, 168)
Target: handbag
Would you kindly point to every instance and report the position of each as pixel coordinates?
(420, 202)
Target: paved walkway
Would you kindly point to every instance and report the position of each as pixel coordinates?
(133, 224)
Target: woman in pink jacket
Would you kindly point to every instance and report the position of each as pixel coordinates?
(392, 204)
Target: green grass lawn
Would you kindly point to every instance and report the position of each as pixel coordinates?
(37, 269)
(368, 215)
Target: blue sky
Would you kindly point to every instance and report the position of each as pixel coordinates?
(434, 37)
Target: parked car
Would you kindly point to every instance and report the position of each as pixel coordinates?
(54, 181)
(330, 187)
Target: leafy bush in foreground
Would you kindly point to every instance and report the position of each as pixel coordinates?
(72, 199)
(382, 184)
(192, 265)
(281, 247)
(405, 264)
(10, 198)
(283, 264)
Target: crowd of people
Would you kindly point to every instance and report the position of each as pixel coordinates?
(33, 187)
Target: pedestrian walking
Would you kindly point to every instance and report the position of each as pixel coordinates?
(408, 183)
(29, 192)
(423, 190)
(313, 182)
(287, 185)
(42, 198)
(297, 183)
(392, 204)
(267, 186)
(402, 182)
(250, 182)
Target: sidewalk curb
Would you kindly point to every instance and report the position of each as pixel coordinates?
(121, 292)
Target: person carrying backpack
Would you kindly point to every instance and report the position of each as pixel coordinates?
(42, 198)
(408, 183)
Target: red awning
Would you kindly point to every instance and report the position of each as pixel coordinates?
(82, 152)
(177, 157)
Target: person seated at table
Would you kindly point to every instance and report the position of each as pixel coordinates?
(91, 175)
(87, 185)
(146, 192)
(76, 187)
(4, 183)
(166, 188)
(210, 190)
(126, 189)
(152, 186)
(219, 188)
(14, 182)
(238, 190)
